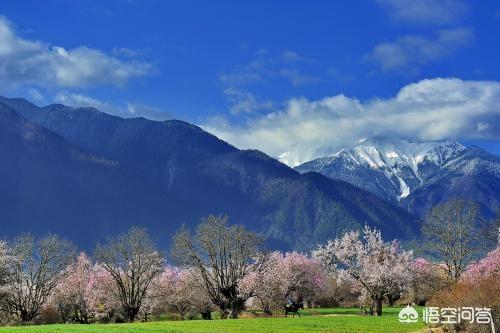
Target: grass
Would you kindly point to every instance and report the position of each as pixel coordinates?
(342, 320)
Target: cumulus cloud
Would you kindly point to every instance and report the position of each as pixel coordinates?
(339, 76)
(128, 52)
(81, 100)
(244, 102)
(146, 111)
(36, 95)
(130, 110)
(239, 77)
(28, 62)
(409, 52)
(297, 78)
(294, 57)
(427, 110)
(265, 67)
(428, 12)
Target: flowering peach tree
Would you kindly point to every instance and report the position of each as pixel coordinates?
(285, 276)
(381, 268)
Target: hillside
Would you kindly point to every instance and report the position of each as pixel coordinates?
(208, 175)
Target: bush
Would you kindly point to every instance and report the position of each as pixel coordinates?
(48, 315)
(481, 293)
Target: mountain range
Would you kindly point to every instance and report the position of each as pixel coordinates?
(416, 175)
(85, 174)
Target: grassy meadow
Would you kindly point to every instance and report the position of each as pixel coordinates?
(342, 320)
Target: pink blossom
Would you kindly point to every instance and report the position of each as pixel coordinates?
(487, 267)
(285, 275)
(86, 291)
(382, 268)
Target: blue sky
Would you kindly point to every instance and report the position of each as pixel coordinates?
(287, 77)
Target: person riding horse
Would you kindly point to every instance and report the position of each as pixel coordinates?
(293, 308)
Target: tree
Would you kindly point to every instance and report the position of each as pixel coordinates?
(163, 292)
(222, 255)
(487, 267)
(193, 291)
(450, 235)
(5, 259)
(102, 295)
(477, 287)
(33, 273)
(402, 282)
(285, 275)
(181, 291)
(133, 262)
(4, 263)
(490, 233)
(70, 294)
(427, 281)
(381, 268)
(85, 293)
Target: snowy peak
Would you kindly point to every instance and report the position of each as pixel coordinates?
(416, 175)
(389, 167)
(406, 163)
(384, 152)
(290, 158)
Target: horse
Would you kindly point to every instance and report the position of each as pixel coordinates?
(293, 308)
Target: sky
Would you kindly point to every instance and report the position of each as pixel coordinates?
(295, 79)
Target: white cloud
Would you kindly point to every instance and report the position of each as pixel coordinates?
(81, 100)
(36, 95)
(339, 76)
(28, 62)
(146, 111)
(265, 68)
(244, 102)
(297, 78)
(408, 53)
(294, 57)
(239, 78)
(131, 110)
(427, 12)
(128, 52)
(426, 110)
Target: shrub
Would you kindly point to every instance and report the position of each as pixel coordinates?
(483, 293)
(478, 287)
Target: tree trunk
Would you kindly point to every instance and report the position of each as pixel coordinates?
(236, 308)
(131, 313)
(223, 313)
(378, 307)
(63, 316)
(25, 316)
(206, 314)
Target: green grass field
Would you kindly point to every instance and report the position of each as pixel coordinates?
(342, 320)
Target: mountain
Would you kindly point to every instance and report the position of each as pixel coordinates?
(197, 174)
(416, 175)
(474, 174)
(49, 186)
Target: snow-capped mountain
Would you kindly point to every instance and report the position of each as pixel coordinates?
(395, 169)
(163, 169)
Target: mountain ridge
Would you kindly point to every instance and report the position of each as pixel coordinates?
(212, 176)
(49, 186)
(395, 169)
